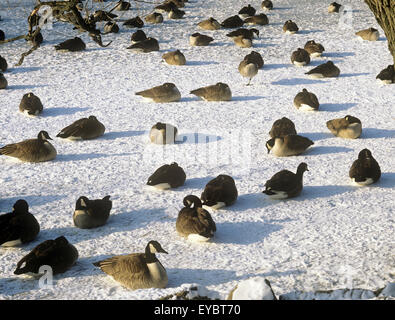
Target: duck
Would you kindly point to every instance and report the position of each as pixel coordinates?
(31, 150)
(209, 24)
(175, 58)
(59, 254)
(290, 27)
(135, 22)
(138, 36)
(89, 214)
(30, 104)
(232, 22)
(72, 45)
(286, 184)
(300, 57)
(194, 222)
(167, 92)
(217, 92)
(167, 176)
(3, 82)
(154, 17)
(219, 192)
(325, 70)
(370, 34)
(247, 11)
(248, 69)
(198, 39)
(137, 270)
(122, 6)
(83, 129)
(306, 101)
(256, 58)
(163, 133)
(176, 14)
(282, 127)
(365, 170)
(267, 5)
(334, 7)
(348, 127)
(246, 33)
(148, 45)
(111, 27)
(289, 145)
(387, 75)
(314, 49)
(242, 42)
(19, 226)
(259, 19)
(3, 64)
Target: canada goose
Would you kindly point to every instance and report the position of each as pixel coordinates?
(289, 145)
(300, 57)
(198, 39)
(325, 70)
(216, 92)
(90, 214)
(286, 184)
(256, 58)
(256, 288)
(232, 22)
(167, 176)
(3, 82)
(3, 64)
(31, 150)
(242, 42)
(194, 222)
(267, 5)
(137, 270)
(111, 27)
(147, 45)
(167, 92)
(18, 226)
(135, 22)
(2, 35)
(334, 7)
(219, 192)
(138, 36)
(176, 14)
(72, 45)
(175, 58)
(209, 24)
(100, 15)
(290, 27)
(122, 6)
(248, 69)
(306, 101)
(314, 49)
(260, 20)
(282, 127)
(387, 75)
(154, 17)
(83, 129)
(246, 33)
(59, 254)
(163, 133)
(178, 3)
(348, 127)
(365, 170)
(370, 34)
(247, 11)
(165, 7)
(30, 104)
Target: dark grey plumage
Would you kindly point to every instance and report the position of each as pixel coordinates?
(300, 57)
(3, 64)
(217, 92)
(84, 129)
(246, 33)
(154, 17)
(267, 5)
(256, 58)
(282, 127)
(220, 191)
(111, 27)
(145, 46)
(165, 7)
(3, 82)
(387, 75)
(90, 214)
(290, 27)
(122, 6)
(365, 170)
(135, 22)
(198, 39)
(176, 14)
(306, 101)
(259, 19)
(289, 145)
(167, 92)
(232, 22)
(314, 49)
(138, 36)
(30, 104)
(2, 35)
(72, 45)
(325, 70)
(167, 176)
(247, 11)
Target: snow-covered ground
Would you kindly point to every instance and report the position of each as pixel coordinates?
(332, 236)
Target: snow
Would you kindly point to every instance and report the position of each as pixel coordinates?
(253, 289)
(332, 236)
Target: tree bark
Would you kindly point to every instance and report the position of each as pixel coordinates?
(384, 12)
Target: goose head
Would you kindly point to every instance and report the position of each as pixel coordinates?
(192, 200)
(365, 154)
(44, 136)
(154, 247)
(81, 203)
(302, 167)
(20, 206)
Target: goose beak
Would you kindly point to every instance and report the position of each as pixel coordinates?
(163, 251)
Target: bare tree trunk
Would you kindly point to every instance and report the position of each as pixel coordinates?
(384, 12)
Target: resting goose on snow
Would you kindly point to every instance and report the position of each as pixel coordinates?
(175, 58)
(72, 45)
(216, 92)
(300, 57)
(282, 127)
(3, 82)
(165, 7)
(247, 11)
(242, 42)
(314, 49)
(167, 176)
(259, 19)
(31, 150)
(83, 129)
(290, 27)
(286, 184)
(30, 104)
(246, 33)
(267, 5)
(232, 22)
(163, 133)
(122, 6)
(256, 58)
(198, 39)
(306, 101)
(365, 170)
(289, 145)
(176, 14)
(3, 64)
(145, 46)
(135, 22)
(58, 254)
(90, 214)
(167, 92)
(138, 36)
(348, 127)
(209, 24)
(137, 270)
(111, 27)
(387, 75)
(154, 17)
(18, 226)
(219, 192)
(370, 34)
(194, 222)
(325, 70)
